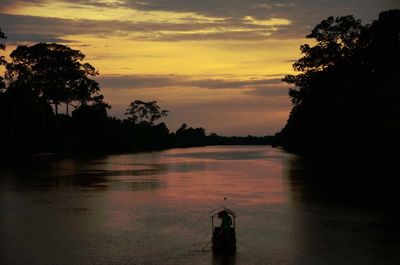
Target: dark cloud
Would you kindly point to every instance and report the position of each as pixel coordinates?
(232, 23)
(137, 82)
(304, 10)
(256, 87)
(227, 84)
(303, 13)
(33, 28)
(152, 81)
(14, 3)
(18, 39)
(296, 9)
(37, 29)
(269, 91)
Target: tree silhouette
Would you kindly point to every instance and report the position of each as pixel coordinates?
(188, 136)
(2, 58)
(346, 93)
(336, 41)
(140, 112)
(54, 72)
(43, 76)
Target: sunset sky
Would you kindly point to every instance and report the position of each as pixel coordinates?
(212, 63)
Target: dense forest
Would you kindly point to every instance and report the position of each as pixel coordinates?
(347, 93)
(45, 78)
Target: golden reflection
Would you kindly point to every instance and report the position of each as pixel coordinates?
(244, 175)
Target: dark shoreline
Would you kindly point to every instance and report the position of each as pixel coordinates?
(6, 161)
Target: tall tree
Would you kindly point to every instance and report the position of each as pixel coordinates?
(55, 72)
(336, 41)
(140, 112)
(346, 92)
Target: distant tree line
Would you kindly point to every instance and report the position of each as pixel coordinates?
(42, 77)
(347, 92)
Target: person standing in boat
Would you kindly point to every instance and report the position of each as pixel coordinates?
(226, 222)
(224, 236)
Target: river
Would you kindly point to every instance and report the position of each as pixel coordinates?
(152, 208)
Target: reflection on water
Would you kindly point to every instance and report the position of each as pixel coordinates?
(224, 259)
(152, 208)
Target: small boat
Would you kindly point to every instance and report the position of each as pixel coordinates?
(224, 236)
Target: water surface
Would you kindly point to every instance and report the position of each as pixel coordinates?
(152, 208)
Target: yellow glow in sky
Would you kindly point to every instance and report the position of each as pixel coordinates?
(125, 53)
(191, 50)
(218, 58)
(267, 22)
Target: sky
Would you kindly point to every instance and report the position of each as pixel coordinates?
(215, 64)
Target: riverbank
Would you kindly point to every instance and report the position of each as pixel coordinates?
(170, 142)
